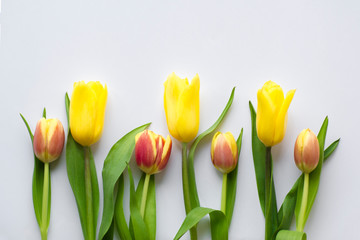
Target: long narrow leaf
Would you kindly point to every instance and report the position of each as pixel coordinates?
(138, 224)
(76, 173)
(120, 221)
(194, 198)
(259, 155)
(116, 161)
(231, 185)
(219, 227)
(94, 188)
(38, 181)
(150, 208)
(329, 150)
(314, 177)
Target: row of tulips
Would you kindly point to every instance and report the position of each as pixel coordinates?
(86, 112)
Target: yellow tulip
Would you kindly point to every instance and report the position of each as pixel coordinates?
(181, 103)
(87, 112)
(272, 110)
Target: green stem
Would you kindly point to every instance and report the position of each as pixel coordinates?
(223, 193)
(45, 201)
(301, 224)
(89, 200)
(186, 188)
(268, 233)
(144, 195)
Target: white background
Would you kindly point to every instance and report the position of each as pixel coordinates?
(132, 46)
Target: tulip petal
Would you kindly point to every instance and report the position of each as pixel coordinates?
(166, 151)
(101, 93)
(174, 86)
(281, 120)
(83, 114)
(265, 119)
(187, 122)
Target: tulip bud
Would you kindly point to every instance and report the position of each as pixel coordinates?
(152, 151)
(49, 139)
(306, 151)
(224, 152)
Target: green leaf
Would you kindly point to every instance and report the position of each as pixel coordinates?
(67, 106)
(38, 181)
(116, 161)
(314, 177)
(218, 221)
(194, 198)
(329, 150)
(150, 208)
(120, 221)
(259, 155)
(231, 184)
(290, 235)
(76, 173)
(140, 230)
(75, 166)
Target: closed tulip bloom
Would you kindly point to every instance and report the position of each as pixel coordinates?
(181, 103)
(49, 139)
(87, 112)
(152, 151)
(271, 118)
(306, 151)
(224, 152)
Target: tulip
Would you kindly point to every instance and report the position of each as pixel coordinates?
(306, 155)
(224, 152)
(272, 113)
(152, 151)
(87, 112)
(181, 103)
(49, 139)
(306, 151)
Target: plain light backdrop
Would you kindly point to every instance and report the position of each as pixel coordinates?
(132, 46)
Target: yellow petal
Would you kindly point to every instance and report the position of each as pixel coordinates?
(101, 93)
(281, 121)
(232, 143)
(187, 124)
(174, 86)
(83, 114)
(265, 118)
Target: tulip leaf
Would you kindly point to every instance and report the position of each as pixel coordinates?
(314, 177)
(120, 221)
(67, 106)
(150, 208)
(290, 235)
(115, 163)
(329, 150)
(138, 224)
(218, 221)
(38, 182)
(231, 184)
(194, 197)
(259, 155)
(75, 166)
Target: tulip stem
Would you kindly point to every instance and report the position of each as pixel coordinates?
(88, 196)
(186, 188)
(223, 193)
(301, 224)
(144, 195)
(45, 201)
(268, 198)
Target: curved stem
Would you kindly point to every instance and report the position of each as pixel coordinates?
(223, 193)
(45, 201)
(88, 196)
(144, 195)
(300, 226)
